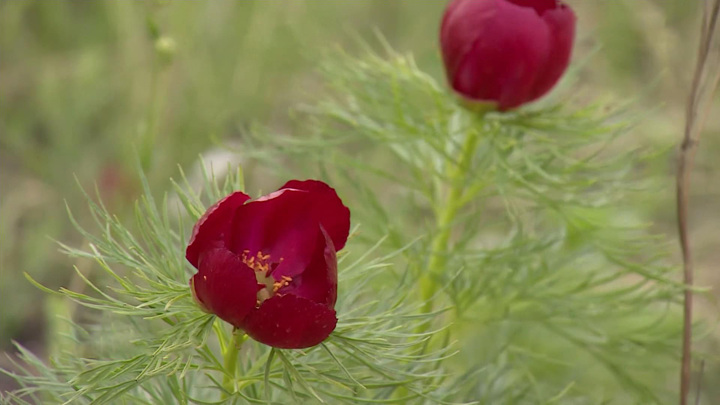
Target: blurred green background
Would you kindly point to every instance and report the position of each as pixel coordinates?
(87, 86)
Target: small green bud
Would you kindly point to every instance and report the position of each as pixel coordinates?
(166, 47)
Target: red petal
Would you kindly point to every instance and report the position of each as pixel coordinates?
(457, 32)
(506, 51)
(213, 229)
(561, 22)
(540, 6)
(276, 225)
(510, 47)
(328, 208)
(318, 283)
(290, 322)
(285, 225)
(225, 286)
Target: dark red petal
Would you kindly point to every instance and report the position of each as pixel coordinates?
(510, 47)
(561, 23)
(458, 30)
(318, 283)
(508, 52)
(285, 225)
(277, 225)
(540, 6)
(290, 322)
(225, 286)
(213, 229)
(327, 207)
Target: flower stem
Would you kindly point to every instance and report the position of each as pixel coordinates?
(230, 355)
(446, 212)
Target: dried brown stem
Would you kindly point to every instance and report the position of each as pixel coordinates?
(698, 389)
(705, 82)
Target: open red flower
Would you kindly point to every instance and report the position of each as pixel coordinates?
(268, 266)
(506, 52)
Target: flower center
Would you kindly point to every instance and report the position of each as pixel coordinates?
(267, 286)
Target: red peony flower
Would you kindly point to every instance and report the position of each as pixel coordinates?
(506, 52)
(268, 266)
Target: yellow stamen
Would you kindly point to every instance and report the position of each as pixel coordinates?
(261, 264)
(282, 283)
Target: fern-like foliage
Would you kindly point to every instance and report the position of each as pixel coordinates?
(511, 238)
(560, 293)
(146, 342)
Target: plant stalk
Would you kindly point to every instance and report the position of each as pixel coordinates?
(230, 355)
(446, 213)
(705, 82)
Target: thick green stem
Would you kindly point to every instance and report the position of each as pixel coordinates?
(446, 213)
(230, 355)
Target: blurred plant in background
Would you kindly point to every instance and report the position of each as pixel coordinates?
(86, 86)
(79, 98)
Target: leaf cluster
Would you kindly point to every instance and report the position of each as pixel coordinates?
(552, 289)
(560, 291)
(142, 339)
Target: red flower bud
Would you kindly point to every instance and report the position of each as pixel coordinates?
(506, 52)
(268, 266)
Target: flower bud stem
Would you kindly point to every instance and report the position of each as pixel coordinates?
(230, 354)
(446, 212)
